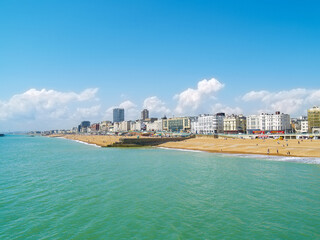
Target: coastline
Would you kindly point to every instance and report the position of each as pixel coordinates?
(268, 147)
(278, 158)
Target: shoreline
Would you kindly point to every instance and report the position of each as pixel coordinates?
(278, 158)
(232, 152)
(276, 148)
(269, 147)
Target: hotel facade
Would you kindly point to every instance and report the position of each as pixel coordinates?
(268, 122)
(208, 124)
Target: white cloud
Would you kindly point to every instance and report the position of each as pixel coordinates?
(255, 95)
(127, 105)
(155, 106)
(191, 99)
(42, 109)
(41, 103)
(294, 101)
(218, 107)
(89, 112)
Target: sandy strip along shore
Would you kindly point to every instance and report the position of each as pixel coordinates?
(293, 147)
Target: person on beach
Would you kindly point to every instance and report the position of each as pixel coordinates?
(268, 151)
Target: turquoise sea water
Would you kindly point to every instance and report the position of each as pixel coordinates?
(60, 189)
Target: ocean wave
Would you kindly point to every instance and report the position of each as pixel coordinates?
(91, 144)
(78, 141)
(182, 150)
(307, 160)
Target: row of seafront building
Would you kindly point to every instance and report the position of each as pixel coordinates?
(219, 123)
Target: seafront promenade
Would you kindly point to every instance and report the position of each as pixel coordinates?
(286, 147)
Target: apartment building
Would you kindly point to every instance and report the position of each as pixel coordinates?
(208, 124)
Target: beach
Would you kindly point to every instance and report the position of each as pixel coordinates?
(102, 141)
(292, 147)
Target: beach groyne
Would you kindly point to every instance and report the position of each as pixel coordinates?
(148, 141)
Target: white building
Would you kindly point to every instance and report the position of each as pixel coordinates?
(208, 124)
(154, 126)
(124, 126)
(269, 122)
(304, 126)
(137, 125)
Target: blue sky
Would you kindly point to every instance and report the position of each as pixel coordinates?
(255, 56)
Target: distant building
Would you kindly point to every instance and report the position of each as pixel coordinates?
(144, 114)
(95, 127)
(118, 115)
(313, 119)
(124, 126)
(105, 126)
(234, 124)
(208, 124)
(278, 122)
(85, 124)
(177, 124)
(300, 124)
(155, 125)
(137, 125)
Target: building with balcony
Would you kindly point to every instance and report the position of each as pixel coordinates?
(208, 124)
(234, 124)
(313, 119)
(274, 123)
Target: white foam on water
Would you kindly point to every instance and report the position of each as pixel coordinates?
(78, 141)
(307, 160)
(91, 144)
(182, 150)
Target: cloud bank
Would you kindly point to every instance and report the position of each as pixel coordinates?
(42, 103)
(40, 109)
(294, 101)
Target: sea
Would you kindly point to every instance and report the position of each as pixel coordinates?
(53, 188)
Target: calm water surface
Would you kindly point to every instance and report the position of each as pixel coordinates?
(60, 189)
